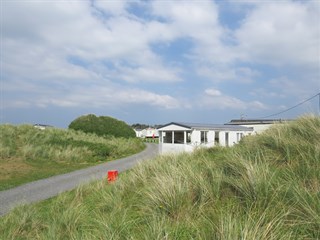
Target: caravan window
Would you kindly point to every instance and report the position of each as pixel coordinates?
(227, 139)
(239, 136)
(167, 138)
(204, 136)
(179, 137)
(216, 138)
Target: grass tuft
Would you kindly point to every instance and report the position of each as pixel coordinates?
(266, 187)
(28, 154)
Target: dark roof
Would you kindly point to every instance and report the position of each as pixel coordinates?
(254, 121)
(202, 126)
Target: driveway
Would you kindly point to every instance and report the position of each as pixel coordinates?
(49, 187)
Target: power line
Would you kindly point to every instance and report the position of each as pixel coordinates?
(318, 94)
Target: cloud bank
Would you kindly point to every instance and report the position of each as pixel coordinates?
(163, 54)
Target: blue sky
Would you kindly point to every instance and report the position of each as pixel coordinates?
(159, 61)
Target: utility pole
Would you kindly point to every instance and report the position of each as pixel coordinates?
(319, 103)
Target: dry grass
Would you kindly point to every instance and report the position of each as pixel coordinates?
(264, 188)
(28, 154)
(13, 167)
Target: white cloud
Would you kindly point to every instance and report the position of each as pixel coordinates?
(51, 28)
(199, 22)
(111, 7)
(223, 73)
(114, 96)
(103, 53)
(266, 93)
(148, 74)
(38, 46)
(284, 35)
(281, 33)
(300, 89)
(212, 92)
(97, 95)
(140, 96)
(214, 99)
(7, 104)
(186, 14)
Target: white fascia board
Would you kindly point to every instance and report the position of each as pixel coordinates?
(174, 127)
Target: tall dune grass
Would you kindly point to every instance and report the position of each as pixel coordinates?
(27, 153)
(266, 187)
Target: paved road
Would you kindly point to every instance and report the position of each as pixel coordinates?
(49, 187)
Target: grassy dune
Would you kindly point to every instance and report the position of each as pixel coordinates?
(267, 187)
(28, 154)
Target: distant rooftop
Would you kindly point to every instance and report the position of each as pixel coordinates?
(42, 126)
(255, 121)
(205, 126)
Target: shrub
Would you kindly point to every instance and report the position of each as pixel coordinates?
(266, 187)
(102, 126)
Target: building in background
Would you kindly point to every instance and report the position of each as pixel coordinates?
(147, 133)
(258, 125)
(138, 132)
(177, 137)
(42, 126)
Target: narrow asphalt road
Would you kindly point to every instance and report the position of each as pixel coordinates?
(49, 187)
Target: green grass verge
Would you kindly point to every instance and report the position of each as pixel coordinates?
(267, 187)
(28, 154)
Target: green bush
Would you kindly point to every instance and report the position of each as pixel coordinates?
(267, 188)
(102, 126)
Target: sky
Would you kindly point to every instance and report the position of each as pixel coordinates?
(160, 61)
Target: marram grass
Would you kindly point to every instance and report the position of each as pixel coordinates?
(28, 154)
(266, 187)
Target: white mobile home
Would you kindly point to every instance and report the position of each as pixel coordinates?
(185, 137)
(150, 133)
(42, 126)
(147, 133)
(138, 132)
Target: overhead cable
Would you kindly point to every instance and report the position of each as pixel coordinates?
(318, 94)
